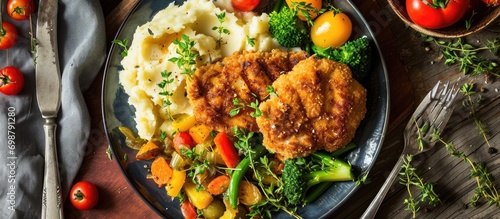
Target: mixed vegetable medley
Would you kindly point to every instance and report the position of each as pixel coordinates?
(232, 175)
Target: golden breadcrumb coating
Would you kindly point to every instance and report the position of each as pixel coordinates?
(318, 106)
(244, 76)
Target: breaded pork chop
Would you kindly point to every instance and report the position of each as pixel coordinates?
(244, 76)
(318, 106)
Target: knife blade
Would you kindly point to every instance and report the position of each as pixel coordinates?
(48, 94)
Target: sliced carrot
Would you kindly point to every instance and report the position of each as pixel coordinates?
(218, 185)
(161, 171)
(148, 151)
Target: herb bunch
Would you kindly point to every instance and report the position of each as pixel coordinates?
(485, 187)
(468, 55)
(409, 177)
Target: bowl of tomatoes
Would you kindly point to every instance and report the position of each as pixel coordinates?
(446, 18)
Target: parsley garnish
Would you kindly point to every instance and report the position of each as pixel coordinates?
(122, 44)
(251, 41)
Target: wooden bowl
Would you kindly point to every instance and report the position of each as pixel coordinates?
(483, 18)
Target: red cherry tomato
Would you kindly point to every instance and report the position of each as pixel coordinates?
(245, 5)
(8, 35)
(11, 80)
(183, 139)
(20, 9)
(84, 195)
(435, 14)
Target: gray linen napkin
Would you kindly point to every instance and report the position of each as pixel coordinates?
(81, 38)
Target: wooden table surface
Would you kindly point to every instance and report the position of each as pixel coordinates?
(414, 67)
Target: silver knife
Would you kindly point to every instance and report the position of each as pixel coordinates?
(48, 94)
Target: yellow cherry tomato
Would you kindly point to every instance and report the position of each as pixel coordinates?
(309, 6)
(331, 30)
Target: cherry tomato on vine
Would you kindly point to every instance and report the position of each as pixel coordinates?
(8, 35)
(245, 5)
(435, 14)
(20, 9)
(84, 195)
(312, 7)
(11, 80)
(331, 29)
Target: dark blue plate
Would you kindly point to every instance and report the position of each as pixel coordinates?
(117, 112)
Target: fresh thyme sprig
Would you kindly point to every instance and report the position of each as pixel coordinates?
(253, 105)
(221, 29)
(485, 186)
(306, 9)
(239, 106)
(187, 58)
(167, 79)
(198, 166)
(468, 56)
(420, 131)
(409, 177)
(468, 90)
(122, 44)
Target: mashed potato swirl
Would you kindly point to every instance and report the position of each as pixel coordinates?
(152, 47)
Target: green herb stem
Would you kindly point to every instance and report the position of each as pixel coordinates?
(485, 186)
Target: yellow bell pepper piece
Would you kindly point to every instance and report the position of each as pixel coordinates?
(200, 199)
(183, 122)
(176, 182)
(199, 133)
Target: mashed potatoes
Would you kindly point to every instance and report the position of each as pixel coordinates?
(152, 48)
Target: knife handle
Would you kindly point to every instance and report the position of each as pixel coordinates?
(51, 201)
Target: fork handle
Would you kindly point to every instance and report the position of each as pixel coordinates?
(372, 209)
(51, 201)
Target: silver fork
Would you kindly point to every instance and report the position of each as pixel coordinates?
(433, 112)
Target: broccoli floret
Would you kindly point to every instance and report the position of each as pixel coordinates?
(298, 176)
(357, 54)
(287, 28)
(292, 180)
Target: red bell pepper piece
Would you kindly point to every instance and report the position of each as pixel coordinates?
(188, 210)
(227, 150)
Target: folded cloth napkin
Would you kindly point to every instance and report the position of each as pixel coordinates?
(81, 44)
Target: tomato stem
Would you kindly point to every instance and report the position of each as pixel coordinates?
(79, 195)
(436, 3)
(4, 80)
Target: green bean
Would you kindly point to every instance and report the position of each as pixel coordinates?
(238, 173)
